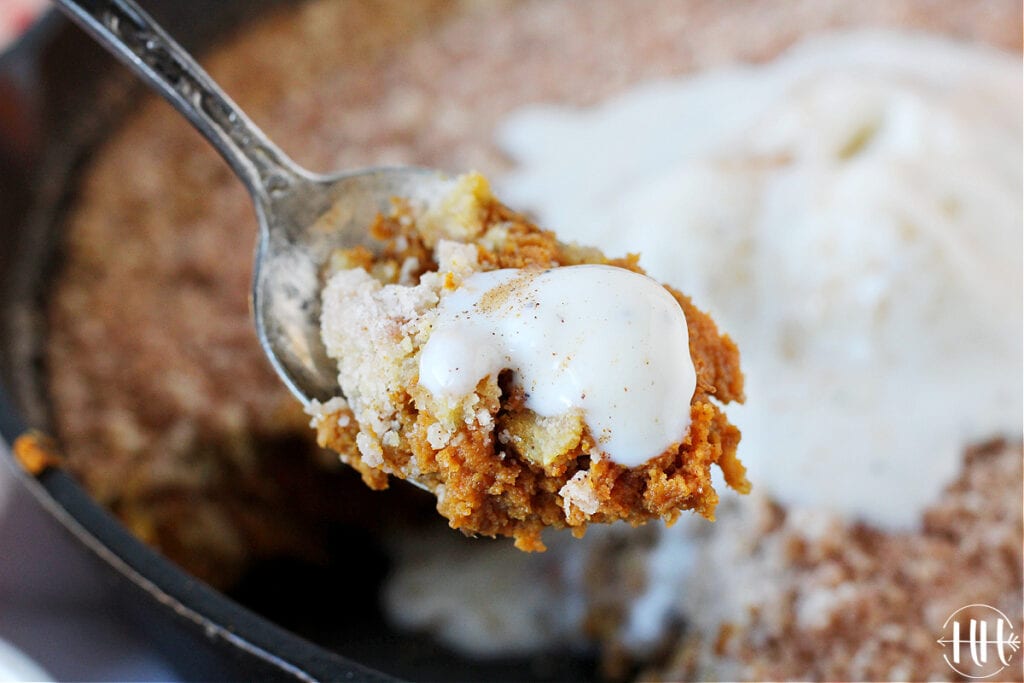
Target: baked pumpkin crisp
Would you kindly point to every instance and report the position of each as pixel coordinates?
(500, 460)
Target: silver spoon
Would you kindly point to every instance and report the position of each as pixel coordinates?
(289, 200)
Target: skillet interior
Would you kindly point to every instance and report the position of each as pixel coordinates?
(332, 625)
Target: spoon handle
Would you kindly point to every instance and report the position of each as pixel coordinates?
(137, 40)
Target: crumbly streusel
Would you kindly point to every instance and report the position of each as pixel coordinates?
(497, 467)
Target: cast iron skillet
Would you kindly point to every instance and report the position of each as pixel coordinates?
(60, 94)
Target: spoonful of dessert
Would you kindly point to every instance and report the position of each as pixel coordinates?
(289, 200)
(435, 335)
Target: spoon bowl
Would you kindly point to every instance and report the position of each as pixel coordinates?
(303, 216)
(298, 231)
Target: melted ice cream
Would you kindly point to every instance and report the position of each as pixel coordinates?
(601, 339)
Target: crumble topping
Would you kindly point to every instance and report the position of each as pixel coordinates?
(579, 492)
(500, 462)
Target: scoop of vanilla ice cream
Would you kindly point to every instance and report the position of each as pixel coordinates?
(851, 214)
